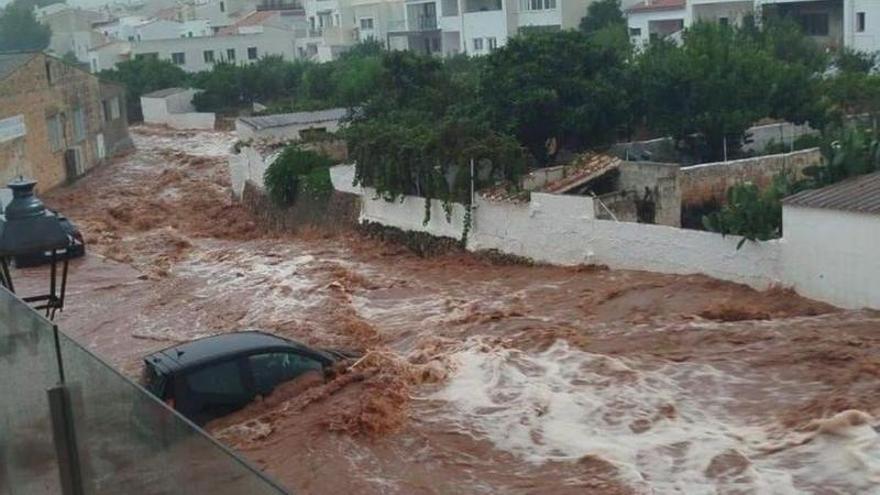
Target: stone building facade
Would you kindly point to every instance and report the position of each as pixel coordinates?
(56, 121)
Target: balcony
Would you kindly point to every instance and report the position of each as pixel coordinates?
(424, 23)
(471, 6)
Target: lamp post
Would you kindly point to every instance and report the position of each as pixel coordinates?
(28, 228)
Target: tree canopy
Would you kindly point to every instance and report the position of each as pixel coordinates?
(19, 29)
(143, 75)
(719, 82)
(602, 14)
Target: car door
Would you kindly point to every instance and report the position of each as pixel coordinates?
(269, 369)
(214, 390)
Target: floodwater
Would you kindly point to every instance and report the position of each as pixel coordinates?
(478, 377)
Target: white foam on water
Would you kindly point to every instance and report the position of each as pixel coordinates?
(272, 282)
(666, 429)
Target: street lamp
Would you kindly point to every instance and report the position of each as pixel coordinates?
(28, 228)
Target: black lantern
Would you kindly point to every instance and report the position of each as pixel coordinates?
(27, 228)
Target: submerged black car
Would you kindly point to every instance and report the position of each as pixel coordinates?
(214, 376)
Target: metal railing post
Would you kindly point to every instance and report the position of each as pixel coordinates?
(64, 438)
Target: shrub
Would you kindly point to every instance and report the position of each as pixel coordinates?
(297, 170)
(750, 212)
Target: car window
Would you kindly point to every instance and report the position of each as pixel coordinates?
(270, 369)
(221, 379)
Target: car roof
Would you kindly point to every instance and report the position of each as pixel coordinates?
(216, 348)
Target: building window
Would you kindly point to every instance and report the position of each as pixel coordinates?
(724, 21)
(222, 7)
(478, 44)
(815, 24)
(367, 24)
(179, 58)
(635, 32)
(252, 53)
(56, 133)
(492, 42)
(79, 125)
(531, 5)
(230, 54)
(105, 107)
(114, 108)
(209, 56)
(860, 22)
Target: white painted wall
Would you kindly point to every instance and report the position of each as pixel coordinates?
(562, 229)
(869, 39)
(176, 111)
(826, 255)
(191, 120)
(832, 255)
(270, 41)
(483, 25)
(642, 21)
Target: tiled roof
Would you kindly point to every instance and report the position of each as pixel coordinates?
(859, 194)
(582, 170)
(656, 5)
(256, 18)
(162, 93)
(11, 62)
(285, 119)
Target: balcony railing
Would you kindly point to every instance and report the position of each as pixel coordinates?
(425, 23)
(73, 424)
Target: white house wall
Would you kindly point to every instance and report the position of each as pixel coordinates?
(869, 40)
(483, 25)
(826, 255)
(832, 255)
(642, 21)
(270, 42)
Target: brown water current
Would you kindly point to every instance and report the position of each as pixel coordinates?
(478, 377)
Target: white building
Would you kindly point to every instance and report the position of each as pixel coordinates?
(833, 23)
(825, 230)
(201, 53)
(173, 107)
(442, 27)
(477, 27)
(72, 29)
(288, 126)
(656, 19)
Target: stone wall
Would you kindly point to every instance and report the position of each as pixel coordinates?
(337, 212)
(40, 89)
(709, 182)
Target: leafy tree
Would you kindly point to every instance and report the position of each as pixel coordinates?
(578, 100)
(20, 31)
(602, 14)
(750, 212)
(222, 88)
(297, 170)
(421, 127)
(756, 214)
(848, 152)
(70, 58)
(143, 75)
(853, 61)
(721, 81)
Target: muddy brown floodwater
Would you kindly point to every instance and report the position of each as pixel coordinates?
(478, 378)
